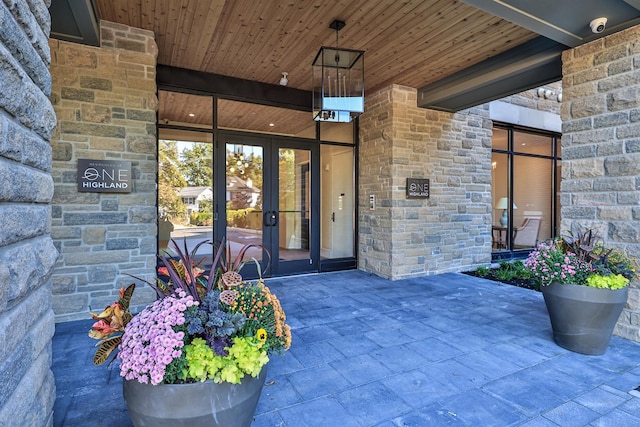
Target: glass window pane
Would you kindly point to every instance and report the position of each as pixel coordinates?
(500, 201)
(336, 132)
(183, 109)
(532, 195)
(235, 115)
(500, 139)
(337, 201)
(185, 187)
(524, 142)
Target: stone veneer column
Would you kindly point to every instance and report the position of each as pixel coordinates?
(27, 254)
(601, 148)
(450, 231)
(106, 103)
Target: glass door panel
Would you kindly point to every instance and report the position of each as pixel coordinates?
(244, 199)
(294, 190)
(269, 200)
(337, 200)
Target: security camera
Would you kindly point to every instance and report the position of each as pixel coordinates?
(598, 25)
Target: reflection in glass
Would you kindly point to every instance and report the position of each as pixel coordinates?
(294, 206)
(500, 201)
(244, 198)
(185, 190)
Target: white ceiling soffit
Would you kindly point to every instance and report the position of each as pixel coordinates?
(565, 21)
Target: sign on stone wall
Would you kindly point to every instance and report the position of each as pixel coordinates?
(417, 188)
(104, 176)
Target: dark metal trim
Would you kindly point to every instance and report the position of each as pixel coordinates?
(198, 82)
(529, 65)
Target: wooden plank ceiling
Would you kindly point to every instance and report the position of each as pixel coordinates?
(410, 42)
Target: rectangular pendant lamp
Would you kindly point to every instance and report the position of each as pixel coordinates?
(338, 82)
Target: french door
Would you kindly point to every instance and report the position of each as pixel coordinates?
(271, 187)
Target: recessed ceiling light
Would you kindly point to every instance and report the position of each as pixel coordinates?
(191, 115)
(271, 124)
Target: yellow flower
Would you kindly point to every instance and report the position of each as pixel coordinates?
(262, 335)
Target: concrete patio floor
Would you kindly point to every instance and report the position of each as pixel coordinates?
(439, 350)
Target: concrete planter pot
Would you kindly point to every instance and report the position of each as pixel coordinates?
(583, 317)
(199, 404)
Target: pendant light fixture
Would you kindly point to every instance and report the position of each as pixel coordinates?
(338, 82)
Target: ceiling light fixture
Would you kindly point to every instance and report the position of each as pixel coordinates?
(191, 115)
(284, 80)
(338, 82)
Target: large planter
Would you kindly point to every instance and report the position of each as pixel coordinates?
(199, 404)
(583, 317)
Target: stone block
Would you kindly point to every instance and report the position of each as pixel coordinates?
(131, 45)
(609, 55)
(79, 57)
(68, 194)
(143, 214)
(613, 184)
(624, 232)
(21, 222)
(587, 168)
(624, 65)
(589, 75)
(619, 81)
(110, 131)
(579, 152)
(610, 149)
(64, 304)
(92, 258)
(87, 82)
(622, 165)
(95, 113)
(588, 107)
(122, 243)
(23, 184)
(102, 273)
(75, 94)
(611, 120)
(93, 235)
(141, 144)
(73, 218)
(576, 125)
(109, 205)
(63, 285)
(578, 212)
(623, 99)
(616, 213)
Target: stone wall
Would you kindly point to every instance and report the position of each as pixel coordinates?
(105, 100)
(601, 148)
(27, 254)
(538, 101)
(450, 231)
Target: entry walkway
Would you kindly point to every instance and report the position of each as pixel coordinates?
(446, 349)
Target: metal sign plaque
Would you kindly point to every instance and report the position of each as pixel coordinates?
(417, 188)
(104, 176)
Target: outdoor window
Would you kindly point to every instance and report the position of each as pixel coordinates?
(525, 185)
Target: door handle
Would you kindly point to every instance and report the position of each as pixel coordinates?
(270, 218)
(333, 216)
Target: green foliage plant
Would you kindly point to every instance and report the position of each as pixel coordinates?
(581, 258)
(202, 326)
(483, 271)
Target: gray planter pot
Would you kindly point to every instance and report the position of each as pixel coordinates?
(199, 404)
(583, 317)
